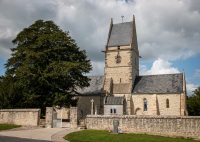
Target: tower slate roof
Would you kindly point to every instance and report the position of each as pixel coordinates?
(166, 83)
(121, 34)
(94, 88)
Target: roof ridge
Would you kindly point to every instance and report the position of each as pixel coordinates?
(161, 74)
(95, 75)
(122, 23)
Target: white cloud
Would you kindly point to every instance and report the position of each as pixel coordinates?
(97, 68)
(166, 30)
(169, 28)
(159, 66)
(191, 88)
(197, 73)
(164, 26)
(5, 33)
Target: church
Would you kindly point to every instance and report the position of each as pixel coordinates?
(122, 90)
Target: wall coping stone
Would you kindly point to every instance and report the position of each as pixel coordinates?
(143, 116)
(19, 110)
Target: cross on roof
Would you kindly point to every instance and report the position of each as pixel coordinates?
(122, 18)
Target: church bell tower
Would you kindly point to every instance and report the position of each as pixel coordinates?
(121, 58)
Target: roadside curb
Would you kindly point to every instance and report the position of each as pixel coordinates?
(58, 137)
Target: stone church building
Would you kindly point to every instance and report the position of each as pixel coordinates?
(122, 90)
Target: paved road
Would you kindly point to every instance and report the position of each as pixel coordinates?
(16, 139)
(36, 135)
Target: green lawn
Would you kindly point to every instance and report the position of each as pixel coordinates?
(8, 126)
(103, 136)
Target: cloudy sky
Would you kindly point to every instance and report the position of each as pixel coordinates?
(168, 32)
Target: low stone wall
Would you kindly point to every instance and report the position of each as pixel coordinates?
(24, 117)
(174, 126)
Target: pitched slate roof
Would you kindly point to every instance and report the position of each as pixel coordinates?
(94, 88)
(121, 34)
(108, 100)
(166, 83)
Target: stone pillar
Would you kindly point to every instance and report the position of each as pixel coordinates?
(92, 107)
(128, 105)
(154, 105)
(183, 111)
(73, 117)
(49, 117)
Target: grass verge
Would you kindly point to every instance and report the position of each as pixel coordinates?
(8, 126)
(103, 136)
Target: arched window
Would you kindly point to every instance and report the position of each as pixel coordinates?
(167, 103)
(145, 104)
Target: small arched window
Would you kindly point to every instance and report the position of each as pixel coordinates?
(167, 103)
(145, 104)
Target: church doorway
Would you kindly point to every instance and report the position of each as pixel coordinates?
(138, 111)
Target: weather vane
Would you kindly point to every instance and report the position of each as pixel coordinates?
(122, 18)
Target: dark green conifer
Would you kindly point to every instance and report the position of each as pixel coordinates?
(47, 66)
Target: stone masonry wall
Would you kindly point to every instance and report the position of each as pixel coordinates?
(174, 104)
(159, 101)
(24, 117)
(84, 105)
(119, 72)
(65, 113)
(125, 58)
(174, 126)
(118, 108)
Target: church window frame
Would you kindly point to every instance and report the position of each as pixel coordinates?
(114, 110)
(167, 103)
(145, 104)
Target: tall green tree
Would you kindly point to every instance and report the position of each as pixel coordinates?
(47, 65)
(193, 103)
(10, 93)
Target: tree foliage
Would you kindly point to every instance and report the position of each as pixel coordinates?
(7, 93)
(45, 68)
(193, 103)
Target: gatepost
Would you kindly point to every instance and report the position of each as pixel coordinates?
(49, 117)
(73, 117)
